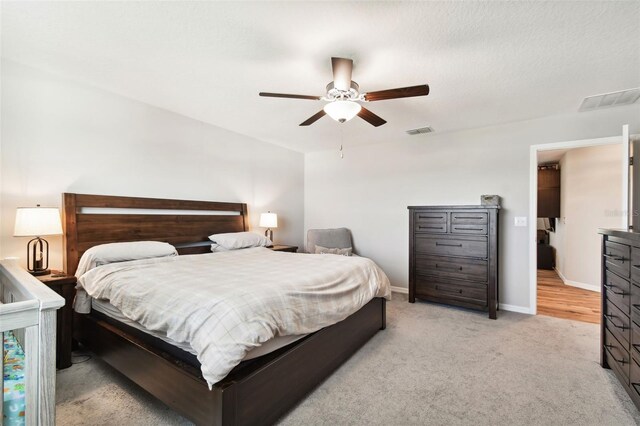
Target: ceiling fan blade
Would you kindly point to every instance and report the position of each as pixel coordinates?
(285, 95)
(317, 116)
(370, 117)
(342, 69)
(404, 92)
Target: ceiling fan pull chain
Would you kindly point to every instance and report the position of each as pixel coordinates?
(341, 142)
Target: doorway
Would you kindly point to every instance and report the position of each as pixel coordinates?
(565, 287)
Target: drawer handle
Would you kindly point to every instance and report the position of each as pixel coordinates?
(614, 257)
(444, 268)
(610, 317)
(429, 227)
(446, 289)
(430, 217)
(470, 217)
(611, 287)
(468, 229)
(448, 245)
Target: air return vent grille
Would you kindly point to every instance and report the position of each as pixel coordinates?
(606, 100)
(420, 131)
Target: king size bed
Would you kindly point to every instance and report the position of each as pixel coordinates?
(197, 367)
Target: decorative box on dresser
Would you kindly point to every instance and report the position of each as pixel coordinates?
(453, 256)
(620, 326)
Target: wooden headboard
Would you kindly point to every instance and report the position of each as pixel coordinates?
(89, 220)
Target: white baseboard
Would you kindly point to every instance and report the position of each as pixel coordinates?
(514, 308)
(504, 307)
(577, 284)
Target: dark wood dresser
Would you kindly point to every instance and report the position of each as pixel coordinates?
(453, 256)
(620, 326)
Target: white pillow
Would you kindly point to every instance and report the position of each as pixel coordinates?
(122, 252)
(217, 248)
(238, 240)
(341, 251)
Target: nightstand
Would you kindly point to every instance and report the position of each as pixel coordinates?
(280, 247)
(65, 286)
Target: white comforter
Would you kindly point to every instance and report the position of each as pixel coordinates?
(225, 304)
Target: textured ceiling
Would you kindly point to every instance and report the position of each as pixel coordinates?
(486, 62)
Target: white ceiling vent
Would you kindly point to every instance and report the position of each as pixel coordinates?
(420, 131)
(606, 100)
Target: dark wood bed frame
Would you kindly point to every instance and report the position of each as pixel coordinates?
(259, 391)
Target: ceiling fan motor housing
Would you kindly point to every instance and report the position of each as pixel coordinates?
(353, 94)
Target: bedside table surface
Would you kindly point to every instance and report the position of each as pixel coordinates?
(62, 279)
(283, 247)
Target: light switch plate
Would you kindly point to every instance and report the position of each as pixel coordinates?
(520, 221)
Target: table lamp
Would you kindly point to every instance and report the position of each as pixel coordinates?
(269, 220)
(36, 222)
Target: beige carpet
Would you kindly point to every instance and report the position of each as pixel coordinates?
(433, 365)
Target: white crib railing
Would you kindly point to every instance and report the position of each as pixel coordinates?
(29, 309)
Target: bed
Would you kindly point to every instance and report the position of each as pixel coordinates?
(258, 390)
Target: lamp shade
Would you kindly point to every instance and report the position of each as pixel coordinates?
(37, 221)
(342, 110)
(269, 220)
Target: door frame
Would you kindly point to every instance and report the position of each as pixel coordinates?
(533, 196)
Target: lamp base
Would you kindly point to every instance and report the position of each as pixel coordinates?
(269, 234)
(40, 272)
(38, 257)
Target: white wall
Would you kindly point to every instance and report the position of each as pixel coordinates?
(590, 195)
(370, 189)
(60, 136)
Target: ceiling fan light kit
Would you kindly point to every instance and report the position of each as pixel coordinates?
(342, 111)
(343, 95)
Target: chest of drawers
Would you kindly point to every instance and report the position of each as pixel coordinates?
(453, 256)
(620, 325)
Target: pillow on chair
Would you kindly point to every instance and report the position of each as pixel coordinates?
(341, 251)
(331, 238)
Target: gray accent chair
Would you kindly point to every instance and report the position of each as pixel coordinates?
(330, 238)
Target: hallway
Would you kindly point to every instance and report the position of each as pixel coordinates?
(555, 299)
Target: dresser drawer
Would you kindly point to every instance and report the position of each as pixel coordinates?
(617, 258)
(634, 374)
(466, 218)
(635, 339)
(431, 227)
(469, 229)
(617, 323)
(430, 217)
(433, 288)
(451, 246)
(453, 267)
(618, 291)
(617, 356)
(635, 302)
(635, 264)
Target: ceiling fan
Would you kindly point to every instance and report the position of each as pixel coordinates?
(343, 95)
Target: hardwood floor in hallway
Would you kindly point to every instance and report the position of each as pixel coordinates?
(556, 299)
